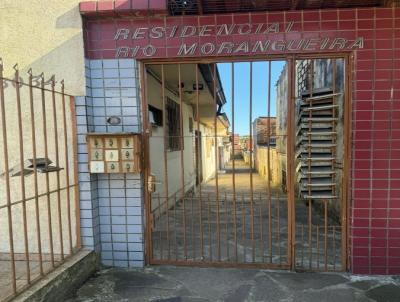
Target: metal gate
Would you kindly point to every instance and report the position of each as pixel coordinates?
(39, 200)
(223, 153)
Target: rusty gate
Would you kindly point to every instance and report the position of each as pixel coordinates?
(246, 163)
(39, 202)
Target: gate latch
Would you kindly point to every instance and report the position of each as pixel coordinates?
(151, 183)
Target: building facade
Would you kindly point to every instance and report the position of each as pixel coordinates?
(107, 61)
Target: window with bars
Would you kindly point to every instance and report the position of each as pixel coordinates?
(173, 125)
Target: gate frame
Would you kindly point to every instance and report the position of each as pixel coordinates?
(346, 186)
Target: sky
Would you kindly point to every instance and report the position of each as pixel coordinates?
(242, 91)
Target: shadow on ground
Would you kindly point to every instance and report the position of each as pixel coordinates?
(181, 284)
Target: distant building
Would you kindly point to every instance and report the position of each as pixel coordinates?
(261, 126)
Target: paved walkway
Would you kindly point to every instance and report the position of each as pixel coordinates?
(184, 284)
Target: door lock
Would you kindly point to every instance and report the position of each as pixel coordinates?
(151, 183)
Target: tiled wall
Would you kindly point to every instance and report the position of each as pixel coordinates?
(375, 165)
(111, 204)
(375, 212)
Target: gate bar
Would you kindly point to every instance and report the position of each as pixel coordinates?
(311, 79)
(55, 124)
(46, 154)
(182, 158)
(209, 225)
(199, 159)
(233, 158)
(35, 178)
(226, 226)
(66, 155)
(216, 161)
(269, 164)
(7, 178)
(22, 178)
(175, 233)
(244, 229)
(290, 163)
(166, 188)
(251, 163)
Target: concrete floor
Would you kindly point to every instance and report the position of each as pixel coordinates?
(208, 230)
(21, 275)
(184, 284)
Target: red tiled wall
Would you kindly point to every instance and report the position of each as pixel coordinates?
(375, 166)
(122, 7)
(375, 173)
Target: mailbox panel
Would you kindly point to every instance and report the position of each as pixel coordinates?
(114, 152)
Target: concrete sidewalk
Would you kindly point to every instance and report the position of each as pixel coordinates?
(181, 284)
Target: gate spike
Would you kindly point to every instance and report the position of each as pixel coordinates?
(15, 67)
(29, 71)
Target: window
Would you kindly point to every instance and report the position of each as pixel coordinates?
(155, 116)
(174, 125)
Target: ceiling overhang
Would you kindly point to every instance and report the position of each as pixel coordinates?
(200, 7)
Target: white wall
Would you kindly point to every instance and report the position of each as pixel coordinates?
(157, 157)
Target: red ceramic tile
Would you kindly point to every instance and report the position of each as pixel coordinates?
(360, 261)
(258, 18)
(329, 15)
(394, 233)
(140, 4)
(364, 85)
(383, 79)
(361, 223)
(311, 26)
(394, 252)
(347, 25)
(383, 95)
(384, 23)
(378, 252)
(361, 251)
(379, 184)
(379, 203)
(394, 270)
(360, 203)
(365, 24)
(379, 233)
(383, 13)
(241, 18)
(311, 16)
(87, 7)
(394, 195)
(378, 223)
(378, 270)
(395, 213)
(293, 16)
(378, 242)
(224, 19)
(360, 270)
(394, 262)
(364, 75)
(365, 13)
(103, 6)
(360, 232)
(158, 5)
(363, 105)
(329, 25)
(275, 17)
(347, 14)
(362, 145)
(383, 34)
(122, 5)
(394, 242)
(378, 261)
